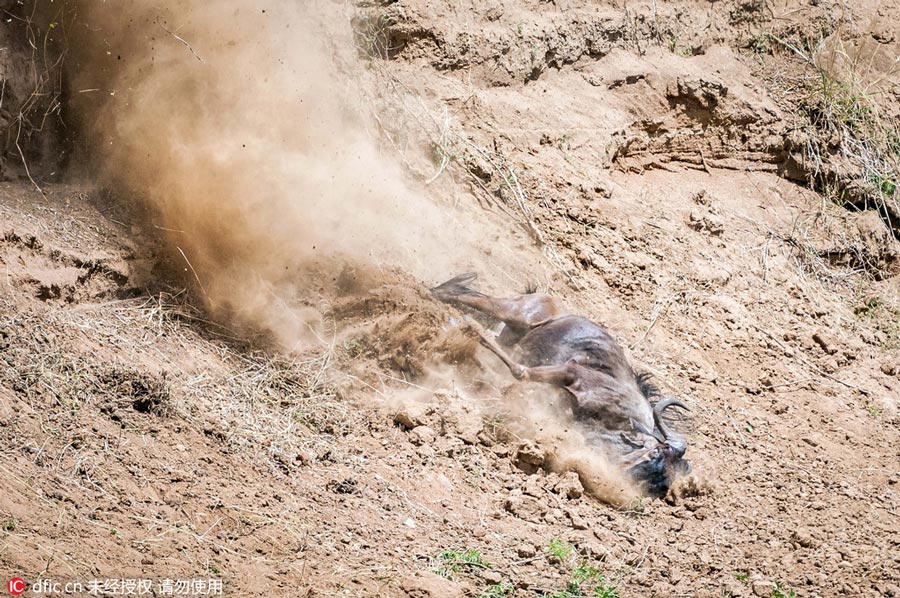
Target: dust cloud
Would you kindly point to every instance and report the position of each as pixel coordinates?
(240, 124)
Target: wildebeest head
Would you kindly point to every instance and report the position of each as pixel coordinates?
(656, 468)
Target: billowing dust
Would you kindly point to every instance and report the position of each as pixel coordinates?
(232, 120)
(240, 126)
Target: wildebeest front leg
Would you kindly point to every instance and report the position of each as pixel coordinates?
(519, 312)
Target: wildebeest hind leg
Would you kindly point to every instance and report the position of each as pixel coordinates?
(559, 375)
(520, 312)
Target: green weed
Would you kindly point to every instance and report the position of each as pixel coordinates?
(497, 590)
(454, 561)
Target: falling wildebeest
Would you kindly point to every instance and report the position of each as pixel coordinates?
(622, 410)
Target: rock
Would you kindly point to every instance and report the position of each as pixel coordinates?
(422, 435)
(554, 516)
(891, 369)
(525, 507)
(448, 446)
(410, 416)
(470, 429)
(430, 585)
(707, 223)
(763, 588)
(825, 341)
(491, 577)
(526, 551)
(426, 452)
(533, 486)
(501, 450)
(594, 550)
(569, 486)
(530, 456)
(804, 538)
(578, 522)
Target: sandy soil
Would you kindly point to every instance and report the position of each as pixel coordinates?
(659, 190)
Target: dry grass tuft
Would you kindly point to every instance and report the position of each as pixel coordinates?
(153, 357)
(851, 142)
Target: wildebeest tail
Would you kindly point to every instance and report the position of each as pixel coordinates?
(456, 287)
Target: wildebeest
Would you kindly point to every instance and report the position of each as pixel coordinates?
(622, 411)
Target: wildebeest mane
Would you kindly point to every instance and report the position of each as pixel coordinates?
(648, 388)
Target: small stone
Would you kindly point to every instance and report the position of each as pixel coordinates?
(594, 550)
(890, 369)
(707, 223)
(410, 523)
(804, 538)
(526, 551)
(491, 576)
(569, 486)
(533, 486)
(525, 507)
(421, 435)
(554, 516)
(578, 522)
(530, 456)
(410, 416)
(825, 341)
(425, 584)
(448, 446)
(479, 532)
(501, 450)
(763, 588)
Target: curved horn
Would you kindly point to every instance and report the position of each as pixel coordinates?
(641, 429)
(676, 441)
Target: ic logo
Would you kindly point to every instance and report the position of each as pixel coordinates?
(16, 586)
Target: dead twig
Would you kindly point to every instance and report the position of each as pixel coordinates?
(181, 39)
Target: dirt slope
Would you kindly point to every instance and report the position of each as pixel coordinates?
(646, 155)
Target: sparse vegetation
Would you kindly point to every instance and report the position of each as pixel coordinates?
(453, 561)
(779, 591)
(844, 121)
(10, 525)
(587, 581)
(559, 549)
(372, 33)
(677, 47)
(497, 590)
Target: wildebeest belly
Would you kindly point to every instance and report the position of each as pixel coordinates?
(573, 337)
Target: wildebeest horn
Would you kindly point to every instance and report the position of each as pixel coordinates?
(641, 429)
(674, 440)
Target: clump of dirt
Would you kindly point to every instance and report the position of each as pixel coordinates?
(143, 392)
